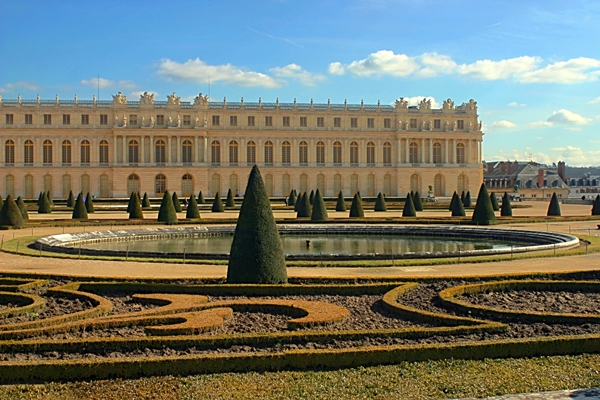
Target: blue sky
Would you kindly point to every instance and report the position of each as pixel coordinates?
(532, 66)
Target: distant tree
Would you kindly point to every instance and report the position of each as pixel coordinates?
(217, 205)
(89, 204)
(79, 210)
(10, 215)
(468, 202)
(417, 201)
(71, 199)
(494, 201)
(192, 211)
(341, 203)
(457, 206)
(230, 202)
(167, 213)
(304, 207)
(45, 207)
(554, 207)
(356, 208)
(146, 201)
(312, 197)
(136, 207)
(506, 210)
(176, 202)
(22, 208)
(292, 198)
(319, 211)
(380, 203)
(201, 198)
(484, 212)
(409, 207)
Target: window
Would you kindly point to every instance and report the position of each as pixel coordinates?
(251, 153)
(303, 153)
(353, 122)
(460, 124)
(233, 120)
(66, 119)
(134, 152)
(269, 184)
(28, 119)
(286, 121)
(268, 152)
(160, 120)
(387, 154)
(437, 124)
(9, 152)
(437, 153)
(29, 186)
(103, 119)
(66, 186)
(10, 185)
(387, 123)
(160, 185)
(268, 121)
(47, 119)
(85, 183)
(103, 152)
(337, 183)
(28, 152)
(337, 122)
(85, 152)
(337, 153)
(216, 184)
(353, 184)
(413, 123)
(48, 184)
(354, 153)
(132, 119)
(9, 119)
(186, 152)
(387, 185)
(321, 183)
(286, 152)
(320, 122)
(251, 121)
(104, 186)
(187, 120)
(370, 153)
(187, 185)
(66, 152)
(233, 183)
(413, 153)
(160, 151)
(85, 119)
(215, 152)
(47, 152)
(303, 121)
(460, 154)
(371, 185)
(133, 184)
(233, 153)
(303, 183)
(216, 120)
(320, 153)
(370, 122)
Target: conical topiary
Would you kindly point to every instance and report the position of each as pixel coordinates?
(494, 201)
(146, 201)
(71, 199)
(311, 198)
(136, 207)
(468, 202)
(201, 198)
(166, 212)
(451, 206)
(217, 205)
(380, 203)
(176, 203)
(192, 211)
(1, 202)
(49, 196)
(356, 208)
(256, 254)
(44, 207)
(409, 207)
(39, 201)
(230, 202)
(554, 207)
(130, 202)
(484, 212)
(298, 203)
(596, 206)
(457, 206)
(319, 211)
(417, 201)
(341, 203)
(292, 198)
(89, 204)
(304, 208)
(462, 197)
(10, 215)
(506, 209)
(22, 208)
(79, 211)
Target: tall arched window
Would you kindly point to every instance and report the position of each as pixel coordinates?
(233, 184)
(251, 153)
(48, 184)
(160, 185)
(438, 185)
(415, 183)
(320, 152)
(268, 152)
(303, 153)
(285, 185)
(354, 153)
(303, 183)
(187, 185)
(387, 185)
(104, 186)
(85, 184)
(371, 185)
(337, 184)
(337, 153)
(286, 153)
(413, 153)
(9, 153)
(233, 152)
(216, 184)
(186, 152)
(133, 184)
(321, 184)
(437, 153)
(66, 153)
(10, 185)
(460, 154)
(85, 152)
(353, 184)
(103, 152)
(29, 186)
(134, 151)
(370, 153)
(47, 152)
(462, 183)
(28, 152)
(160, 152)
(387, 154)
(215, 152)
(269, 184)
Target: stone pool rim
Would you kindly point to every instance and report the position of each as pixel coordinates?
(69, 243)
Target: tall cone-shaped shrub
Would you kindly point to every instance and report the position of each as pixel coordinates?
(136, 207)
(312, 197)
(71, 199)
(554, 207)
(340, 205)
(230, 202)
(380, 203)
(89, 204)
(304, 208)
(10, 215)
(467, 202)
(596, 206)
(494, 201)
(462, 197)
(451, 206)
(298, 203)
(319, 211)
(483, 213)
(201, 198)
(49, 196)
(39, 201)
(79, 211)
(146, 201)
(176, 203)
(457, 206)
(256, 254)
(417, 201)
(292, 198)
(356, 208)
(22, 208)
(409, 207)
(130, 203)
(44, 207)
(506, 209)
(217, 205)
(192, 211)
(166, 212)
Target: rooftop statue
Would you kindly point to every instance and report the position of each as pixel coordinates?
(448, 105)
(147, 98)
(201, 100)
(173, 99)
(425, 104)
(119, 98)
(401, 103)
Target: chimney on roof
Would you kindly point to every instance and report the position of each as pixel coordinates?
(490, 167)
(508, 167)
(540, 177)
(562, 170)
(502, 167)
(516, 165)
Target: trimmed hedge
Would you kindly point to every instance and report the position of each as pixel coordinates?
(176, 203)
(319, 211)
(79, 211)
(22, 208)
(467, 201)
(380, 205)
(217, 205)
(340, 205)
(230, 201)
(409, 207)
(417, 201)
(89, 203)
(44, 206)
(146, 201)
(311, 198)
(71, 199)
(356, 208)
(167, 213)
(506, 209)
(494, 202)
(136, 207)
(554, 207)
(483, 213)
(456, 206)
(292, 198)
(201, 198)
(304, 209)
(192, 212)
(596, 206)
(10, 215)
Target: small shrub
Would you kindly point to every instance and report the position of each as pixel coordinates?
(417, 201)
(292, 198)
(312, 197)
(71, 199)
(230, 202)
(494, 201)
(340, 205)
(467, 202)
(10, 215)
(483, 213)
(554, 207)
(136, 207)
(506, 209)
(79, 210)
(356, 208)
(130, 202)
(451, 206)
(22, 208)
(380, 205)
(167, 213)
(192, 211)
(201, 198)
(217, 205)
(409, 207)
(176, 203)
(457, 206)
(44, 207)
(146, 201)
(89, 204)
(304, 207)
(319, 211)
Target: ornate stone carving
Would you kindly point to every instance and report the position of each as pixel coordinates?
(201, 100)
(454, 126)
(448, 105)
(56, 100)
(423, 125)
(479, 125)
(19, 99)
(143, 121)
(401, 103)
(173, 99)
(76, 99)
(425, 104)
(124, 121)
(170, 121)
(447, 125)
(470, 126)
(430, 125)
(178, 121)
(406, 125)
(197, 121)
(472, 105)
(94, 99)
(151, 121)
(119, 98)
(39, 100)
(205, 122)
(116, 121)
(147, 98)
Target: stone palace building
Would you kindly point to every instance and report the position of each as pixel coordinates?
(111, 148)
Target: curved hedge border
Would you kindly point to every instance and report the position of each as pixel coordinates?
(35, 302)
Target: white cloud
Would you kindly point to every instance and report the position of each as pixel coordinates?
(106, 83)
(504, 124)
(504, 69)
(575, 70)
(539, 157)
(415, 100)
(295, 71)
(566, 117)
(336, 68)
(516, 104)
(383, 62)
(10, 87)
(576, 156)
(594, 101)
(435, 64)
(540, 124)
(199, 72)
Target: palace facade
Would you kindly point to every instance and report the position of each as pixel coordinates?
(111, 148)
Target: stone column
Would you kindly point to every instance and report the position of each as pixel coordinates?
(196, 149)
(205, 149)
(453, 155)
(430, 151)
(152, 151)
(446, 160)
(169, 147)
(142, 149)
(406, 148)
(422, 160)
(125, 160)
(178, 160)
(469, 159)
